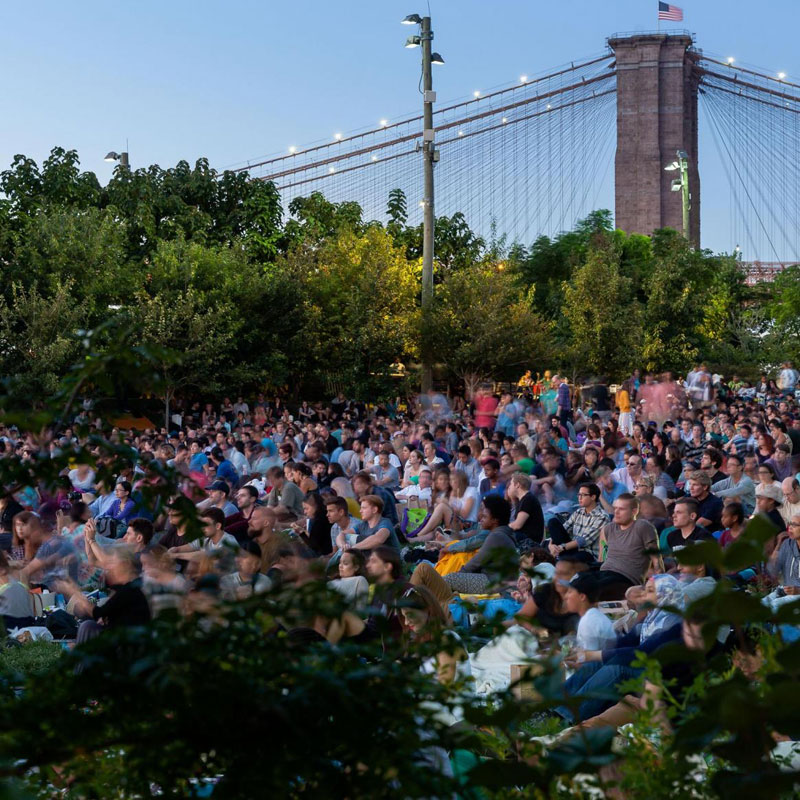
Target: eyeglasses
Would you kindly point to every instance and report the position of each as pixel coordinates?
(584, 494)
(793, 524)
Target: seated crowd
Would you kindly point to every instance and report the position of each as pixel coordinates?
(542, 513)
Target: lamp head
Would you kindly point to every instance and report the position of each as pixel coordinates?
(412, 41)
(412, 19)
(436, 58)
(672, 167)
(677, 185)
(112, 156)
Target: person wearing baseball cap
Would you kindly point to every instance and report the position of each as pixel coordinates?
(769, 498)
(218, 492)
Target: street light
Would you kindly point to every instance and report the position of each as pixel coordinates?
(121, 157)
(429, 156)
(681, 185)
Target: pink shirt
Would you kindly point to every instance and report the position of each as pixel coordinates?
(484, 411)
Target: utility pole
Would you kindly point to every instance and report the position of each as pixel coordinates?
(430, 156)
(428, 219)
(682, 185)
(686, 198)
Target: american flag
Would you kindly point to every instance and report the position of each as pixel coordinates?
(666, 11)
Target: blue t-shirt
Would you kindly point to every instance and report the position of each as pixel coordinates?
(485, 489)
(363, 531)
(610, 495)
(227, 472)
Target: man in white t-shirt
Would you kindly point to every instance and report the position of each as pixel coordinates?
(422, 491)
(595, 629)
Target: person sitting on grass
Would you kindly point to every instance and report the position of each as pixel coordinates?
(246, 580)
(215, 540)
(127, 605)
(595, 630)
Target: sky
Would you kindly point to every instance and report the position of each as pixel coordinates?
(234, 81)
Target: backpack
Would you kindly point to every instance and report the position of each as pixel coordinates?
(414, 520)
(109, 527)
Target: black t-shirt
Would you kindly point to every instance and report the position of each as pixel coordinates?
(533, 528)
(319, 536)
(600, 397)
(699, 534)
(331, 444)
(126, 606)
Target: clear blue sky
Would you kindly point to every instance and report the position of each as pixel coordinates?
(237, 80)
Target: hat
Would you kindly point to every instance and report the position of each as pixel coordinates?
(771, 490)
(219, 486)
(586, 583)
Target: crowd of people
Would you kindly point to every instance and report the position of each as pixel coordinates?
(560, 514)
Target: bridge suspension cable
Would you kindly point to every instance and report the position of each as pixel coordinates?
(517, 162)
(754, 119)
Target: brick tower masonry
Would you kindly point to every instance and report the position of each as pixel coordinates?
(657, 80)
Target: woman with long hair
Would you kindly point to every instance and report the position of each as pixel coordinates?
(674, 465)
(766, 447)
(457, 512)
(659, 443)
(424, 621)
(591, 459)
(413, 466)
(315, 528)
(351, 581)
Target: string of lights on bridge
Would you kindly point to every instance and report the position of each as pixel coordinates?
(532, 157)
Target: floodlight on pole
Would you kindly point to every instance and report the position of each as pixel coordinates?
(121, 157)
(430, 156)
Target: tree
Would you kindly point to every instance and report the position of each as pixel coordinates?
(185, 322)
(605, 321)
(782, 304)
(675, 293)
(314, 218)
(358, 309)
(85, 247)
(39, 339)
(484, 326)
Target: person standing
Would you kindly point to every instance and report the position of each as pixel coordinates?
(625, 409)
(564, 402)
(485, 406)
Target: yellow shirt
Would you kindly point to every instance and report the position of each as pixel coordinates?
(623, 401)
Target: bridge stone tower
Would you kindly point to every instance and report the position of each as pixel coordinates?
(657, 80)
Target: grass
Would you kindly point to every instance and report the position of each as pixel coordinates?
(544, 726)
(32, 658)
